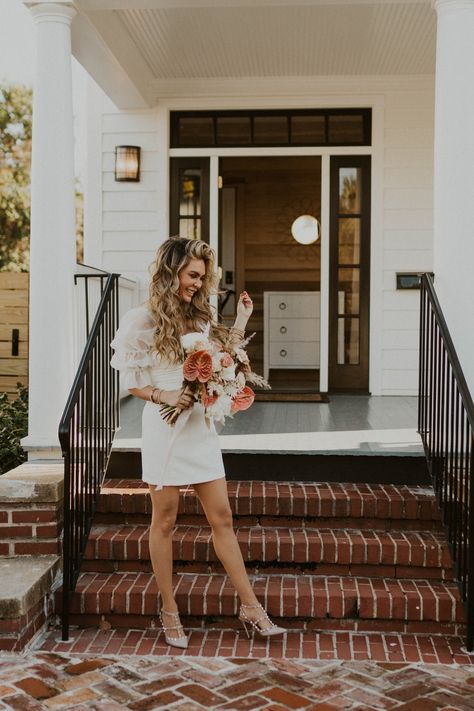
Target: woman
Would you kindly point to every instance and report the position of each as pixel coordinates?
(149, 354)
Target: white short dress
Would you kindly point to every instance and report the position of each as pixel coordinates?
(189, 452)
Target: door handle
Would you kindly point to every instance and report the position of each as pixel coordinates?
(15, 341)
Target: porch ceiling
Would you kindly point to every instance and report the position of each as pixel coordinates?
(140, 46)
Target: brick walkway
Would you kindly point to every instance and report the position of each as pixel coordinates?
(51, 681)
(378, 647)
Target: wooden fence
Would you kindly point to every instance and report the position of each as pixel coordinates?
(13, 330)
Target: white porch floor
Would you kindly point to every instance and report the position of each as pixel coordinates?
(345, 425)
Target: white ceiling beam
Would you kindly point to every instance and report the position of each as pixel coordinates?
(98, 5)
(98, 44)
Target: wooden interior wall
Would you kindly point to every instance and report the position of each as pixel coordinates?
(13, 315)
(270, 194)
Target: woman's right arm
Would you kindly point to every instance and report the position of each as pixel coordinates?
(182, 398)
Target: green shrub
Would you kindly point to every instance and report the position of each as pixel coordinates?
(13, 426)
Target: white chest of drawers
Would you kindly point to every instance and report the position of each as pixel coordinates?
(290, 329)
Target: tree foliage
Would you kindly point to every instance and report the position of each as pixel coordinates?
(15, 161)
(13, 426)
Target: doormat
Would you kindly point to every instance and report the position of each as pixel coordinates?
(285, 396)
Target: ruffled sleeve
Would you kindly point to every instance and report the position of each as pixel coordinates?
(134, 349)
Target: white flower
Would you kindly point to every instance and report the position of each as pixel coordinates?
(221, 408)
(216, 362)
(196, 341)
(232, 388)
(240, 380)
(228, 373)
(241, 355)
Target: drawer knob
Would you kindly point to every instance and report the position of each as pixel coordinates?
(282, 306)
(283, 353)
(283, 329)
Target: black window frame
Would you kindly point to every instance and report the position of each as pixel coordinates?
(175, 117)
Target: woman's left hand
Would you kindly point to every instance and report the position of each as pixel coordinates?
(245, 305)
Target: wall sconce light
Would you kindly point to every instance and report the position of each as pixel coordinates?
(127, 164)
(305, 229)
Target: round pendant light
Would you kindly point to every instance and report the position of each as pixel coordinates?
(305, 229)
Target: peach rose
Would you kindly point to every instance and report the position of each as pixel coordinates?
(243, 399)
(226, 360)
(198, 366)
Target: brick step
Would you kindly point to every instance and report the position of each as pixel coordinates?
(395, 651)
(377, 506)
(331, 552)
(296, 599)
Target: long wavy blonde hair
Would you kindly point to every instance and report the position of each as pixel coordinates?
(170, 313)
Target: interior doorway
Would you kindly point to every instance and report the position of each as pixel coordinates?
(260, 199)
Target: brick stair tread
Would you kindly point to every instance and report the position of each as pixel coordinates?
(332, 500)
(283, 595)
(295, 545)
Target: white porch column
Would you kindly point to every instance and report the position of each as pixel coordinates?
(454, 174)
(52, 249)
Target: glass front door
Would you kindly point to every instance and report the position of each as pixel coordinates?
(189, 198)
(349, 288)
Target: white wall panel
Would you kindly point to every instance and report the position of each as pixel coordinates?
(147, 141)
(397, 340)
(408, 260)
(400, 300)
(128, 262)
(129, 122)
(408, 157)
(400, 359)
(408, 219)
(130, 220)
(121, 201)
(139, 241)
(414, 178)
(409, 199)
(400, 382)
(148, 181)
(406, 240)
(401, 320)
(408, 136)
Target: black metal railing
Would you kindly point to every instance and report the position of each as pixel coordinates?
(86, 432)
(88, 304)
(446, 426)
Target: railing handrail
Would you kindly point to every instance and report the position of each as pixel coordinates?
(86, 431)
(101, 274)
(450, 348)
(93, 270)
(446, 427)
(86, 356)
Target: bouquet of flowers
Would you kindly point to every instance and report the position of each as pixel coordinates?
(217, 376)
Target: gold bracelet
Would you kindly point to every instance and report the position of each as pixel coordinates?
(238, 331)
(152, 396)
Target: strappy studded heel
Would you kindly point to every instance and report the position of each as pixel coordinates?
(270, 631)
(181, 641)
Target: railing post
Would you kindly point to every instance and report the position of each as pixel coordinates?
(66, 548)
(470, 545)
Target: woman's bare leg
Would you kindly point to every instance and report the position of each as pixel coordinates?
(165, 508)
(215, 502)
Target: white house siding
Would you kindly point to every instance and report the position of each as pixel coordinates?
(127, 221)
(407, 228)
